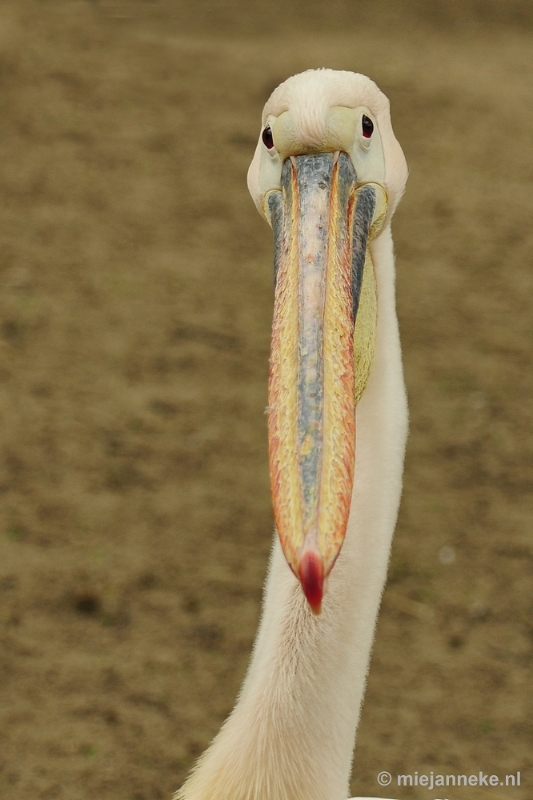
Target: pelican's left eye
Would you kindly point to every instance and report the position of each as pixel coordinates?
(367, 125)
(268, 139)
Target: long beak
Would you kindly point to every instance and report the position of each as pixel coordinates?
(321, 222)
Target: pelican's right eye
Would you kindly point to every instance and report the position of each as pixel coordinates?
(268, 139)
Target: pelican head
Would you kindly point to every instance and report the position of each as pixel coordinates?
(327, 174)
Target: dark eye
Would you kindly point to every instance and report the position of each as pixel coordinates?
(367, 125)
(268, 139)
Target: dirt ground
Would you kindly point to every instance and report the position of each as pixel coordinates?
(135, 305)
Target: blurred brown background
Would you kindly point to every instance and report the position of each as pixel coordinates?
(136, 290)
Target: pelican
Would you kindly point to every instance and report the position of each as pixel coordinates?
(327, 175)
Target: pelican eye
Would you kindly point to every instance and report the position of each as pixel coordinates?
(367, 125)
(268, 139)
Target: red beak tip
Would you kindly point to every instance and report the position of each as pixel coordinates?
(312, 580)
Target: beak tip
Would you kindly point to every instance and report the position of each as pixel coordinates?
(311, 574)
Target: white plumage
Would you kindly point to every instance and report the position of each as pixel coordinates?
(291, 734)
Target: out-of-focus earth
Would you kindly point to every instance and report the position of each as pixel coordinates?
(135, 305)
